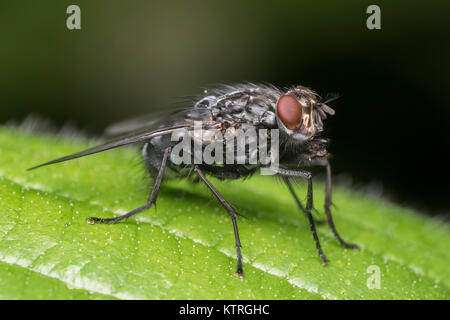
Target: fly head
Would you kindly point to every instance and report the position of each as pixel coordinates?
(300, 114)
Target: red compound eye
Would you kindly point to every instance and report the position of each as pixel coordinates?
(290, 111)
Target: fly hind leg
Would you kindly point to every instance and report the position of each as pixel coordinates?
(151, 199)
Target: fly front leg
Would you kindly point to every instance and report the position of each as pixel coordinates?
(287, 172)
(297, 200)
(151, 199)
(233, 214)
(328, 204)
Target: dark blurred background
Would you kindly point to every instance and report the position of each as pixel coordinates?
(392, 122)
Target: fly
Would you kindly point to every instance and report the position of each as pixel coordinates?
(296, 113)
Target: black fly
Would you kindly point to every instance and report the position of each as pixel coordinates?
(296, 113)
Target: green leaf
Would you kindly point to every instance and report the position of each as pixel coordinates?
(185, 247)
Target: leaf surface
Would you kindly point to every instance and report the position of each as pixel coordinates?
(184, 248)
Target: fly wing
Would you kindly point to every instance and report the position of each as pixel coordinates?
(121, 141)
(146, 121)
(130, 125)
(179, 119)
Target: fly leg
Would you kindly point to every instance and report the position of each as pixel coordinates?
(151, 199)
(232, 213)
(297, 200)
(309, 204)
(328, 204)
